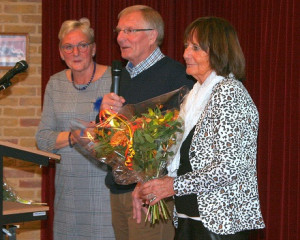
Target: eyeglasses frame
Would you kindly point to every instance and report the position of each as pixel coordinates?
(129, 30)
(73, 46)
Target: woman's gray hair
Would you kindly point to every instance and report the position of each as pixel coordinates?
(151, 17)
(83, 24)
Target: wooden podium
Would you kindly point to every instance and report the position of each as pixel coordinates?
(13, 212)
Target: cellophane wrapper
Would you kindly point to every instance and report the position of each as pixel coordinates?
(10, 195)
(138, 141)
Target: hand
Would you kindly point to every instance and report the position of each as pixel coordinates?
(155, 190)
(112, 102)
(74, 137)
(83, 136)
(138, 204)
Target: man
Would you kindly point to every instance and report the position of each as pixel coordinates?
(148, 73)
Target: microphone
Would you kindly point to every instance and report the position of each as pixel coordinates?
(116, 75)
(19, 67)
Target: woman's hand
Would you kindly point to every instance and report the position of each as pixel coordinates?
(138, 204)
(150, 193)
(157, 189)
(112, 102)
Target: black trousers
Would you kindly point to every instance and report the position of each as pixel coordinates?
(189, 229)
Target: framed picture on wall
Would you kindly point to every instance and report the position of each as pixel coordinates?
(13, 48)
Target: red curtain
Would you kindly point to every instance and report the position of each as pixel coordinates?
(267, 32)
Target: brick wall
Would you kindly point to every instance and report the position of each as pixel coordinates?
(20, 104)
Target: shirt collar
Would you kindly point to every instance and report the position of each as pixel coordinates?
(154, 57)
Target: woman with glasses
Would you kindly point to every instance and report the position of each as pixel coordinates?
(82, 207)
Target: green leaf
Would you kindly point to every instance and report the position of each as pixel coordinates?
(169, 116)
(138, 138)
(150, 111)
(148, 138)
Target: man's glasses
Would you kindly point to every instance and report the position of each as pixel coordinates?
(81, 47)
(130, 31)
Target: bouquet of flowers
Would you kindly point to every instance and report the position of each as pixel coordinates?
(137, 142)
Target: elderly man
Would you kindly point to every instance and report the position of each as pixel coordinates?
(148, 73)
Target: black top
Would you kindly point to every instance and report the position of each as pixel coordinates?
(186, 204)
(164, 76)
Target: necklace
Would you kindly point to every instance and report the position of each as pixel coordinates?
(84, 87)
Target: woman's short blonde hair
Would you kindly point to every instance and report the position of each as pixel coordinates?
(152, 18)
(83, 24)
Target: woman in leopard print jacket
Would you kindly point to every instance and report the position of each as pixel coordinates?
(213, 177)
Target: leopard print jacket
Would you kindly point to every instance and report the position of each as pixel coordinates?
(223, 159)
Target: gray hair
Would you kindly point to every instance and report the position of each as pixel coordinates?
(83, 24)
(151, 17)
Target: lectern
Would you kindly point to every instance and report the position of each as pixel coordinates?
(13, 212)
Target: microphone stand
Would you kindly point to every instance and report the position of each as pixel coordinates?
(5, 85)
